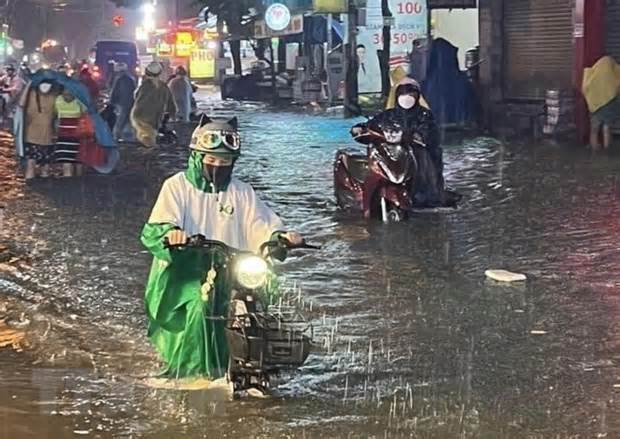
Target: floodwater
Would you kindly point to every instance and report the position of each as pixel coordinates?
(412, 340)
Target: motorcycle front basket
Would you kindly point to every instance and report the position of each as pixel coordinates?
(267, 344)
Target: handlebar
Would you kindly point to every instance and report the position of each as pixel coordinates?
(371, 136)
(284, 243)
(199, 241)
(196, 241)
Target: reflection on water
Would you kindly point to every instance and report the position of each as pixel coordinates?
(414, 340)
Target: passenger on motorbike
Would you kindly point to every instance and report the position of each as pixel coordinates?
(185, 323)
(420, 132)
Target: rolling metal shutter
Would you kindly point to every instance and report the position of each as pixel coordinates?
(612, 15)
(538, 51)
(612, 42)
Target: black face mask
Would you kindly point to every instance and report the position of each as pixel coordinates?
(218, 175)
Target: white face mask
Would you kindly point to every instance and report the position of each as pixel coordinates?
(45, 88)
(406, 101)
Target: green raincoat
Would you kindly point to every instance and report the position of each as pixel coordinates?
(189, 342)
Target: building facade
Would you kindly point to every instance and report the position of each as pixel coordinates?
(533, 49)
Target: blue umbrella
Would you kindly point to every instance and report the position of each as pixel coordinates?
(102, 131)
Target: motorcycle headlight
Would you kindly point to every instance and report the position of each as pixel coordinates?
(252, 272)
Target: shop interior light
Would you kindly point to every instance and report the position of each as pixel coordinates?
(141, 34)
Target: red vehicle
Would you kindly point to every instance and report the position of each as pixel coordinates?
(379, 183)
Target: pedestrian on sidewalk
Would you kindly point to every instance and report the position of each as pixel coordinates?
(153, 100)
(601, 88)
(39, 135)
(122, 99)
(12, 86)
(69, 112)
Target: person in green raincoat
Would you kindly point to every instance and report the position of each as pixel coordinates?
(204, 199)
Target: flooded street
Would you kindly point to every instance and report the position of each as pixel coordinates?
(412, 340)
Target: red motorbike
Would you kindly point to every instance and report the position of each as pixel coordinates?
(379, 183)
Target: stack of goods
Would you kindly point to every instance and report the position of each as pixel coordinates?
(560, 112)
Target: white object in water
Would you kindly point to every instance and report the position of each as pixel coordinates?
(505, 276)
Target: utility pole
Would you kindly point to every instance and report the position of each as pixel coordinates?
(175, 12)
(388, 21)
(4, 37)
(350, 63)
(330, 44)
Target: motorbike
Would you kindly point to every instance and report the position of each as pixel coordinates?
(106, 110)
(263, 340)
(377, 183)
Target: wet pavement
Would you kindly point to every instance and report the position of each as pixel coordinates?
(413, 341)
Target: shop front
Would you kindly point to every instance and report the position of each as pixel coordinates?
(612, 40)
(538, 47)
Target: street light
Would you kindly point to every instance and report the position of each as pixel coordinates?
(148, 20)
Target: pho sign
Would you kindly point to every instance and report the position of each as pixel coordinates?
(277, 17)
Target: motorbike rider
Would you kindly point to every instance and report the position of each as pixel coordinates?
(122, 98)
(420, 132)
(182, 92)
(86, 78)
(204, 199)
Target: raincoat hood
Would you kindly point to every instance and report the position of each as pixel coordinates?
(154, 69)
(408, 81)
(399, 77)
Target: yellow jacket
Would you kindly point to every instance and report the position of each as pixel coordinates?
(601, 83)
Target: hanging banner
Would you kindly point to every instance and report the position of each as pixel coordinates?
(410, 22)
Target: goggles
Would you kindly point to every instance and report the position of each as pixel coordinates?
(212, 140)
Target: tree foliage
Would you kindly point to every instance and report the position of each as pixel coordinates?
(237, 14)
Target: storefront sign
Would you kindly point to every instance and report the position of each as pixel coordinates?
(184, 44)
(330, 6)
(202, 64)
(277, 17)
(164, 49)
(296, 26)
(409, 23)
